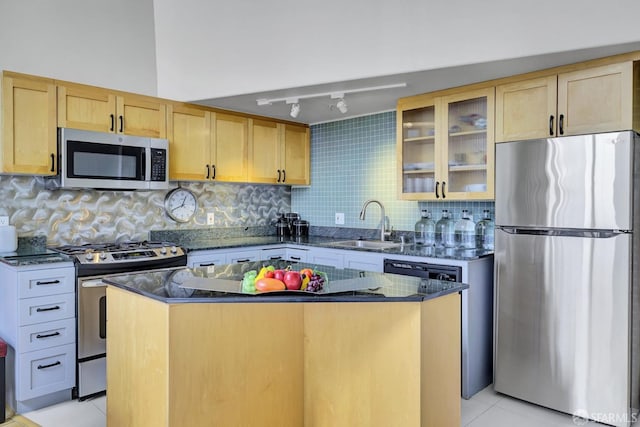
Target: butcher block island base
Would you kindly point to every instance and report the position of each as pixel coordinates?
(282, 364)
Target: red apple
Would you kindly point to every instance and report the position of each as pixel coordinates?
(279, 274)
(270, 274)
(292, 280)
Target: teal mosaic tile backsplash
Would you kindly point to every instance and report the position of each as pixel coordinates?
(355, 160)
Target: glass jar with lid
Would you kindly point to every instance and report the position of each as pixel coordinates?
(425, 230)
(465, 231)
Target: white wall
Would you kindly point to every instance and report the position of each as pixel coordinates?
(103, 43)
(217, 48)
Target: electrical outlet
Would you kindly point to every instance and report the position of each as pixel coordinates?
(210, 218)
(339, 218)
(4, 220)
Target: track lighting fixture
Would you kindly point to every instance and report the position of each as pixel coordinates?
(341, 104)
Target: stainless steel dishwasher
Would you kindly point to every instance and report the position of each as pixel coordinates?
(476, 307)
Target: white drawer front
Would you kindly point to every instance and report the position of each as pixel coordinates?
(45, 335)
(46, 309)
(46, 371)
(46, 282)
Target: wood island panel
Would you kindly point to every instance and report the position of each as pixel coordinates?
(283, 364)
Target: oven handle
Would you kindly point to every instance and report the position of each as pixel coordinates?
(96, 283)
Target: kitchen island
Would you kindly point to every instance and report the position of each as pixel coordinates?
(385, 356)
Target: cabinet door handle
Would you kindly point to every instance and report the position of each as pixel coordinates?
(53, 162)
(278, 175)
(55, 334)
(242, 260)
(284, 175)
(113, 122)
(551, 125)
(561, 124)
(214, 171)
(295, 258)
(443, 195)
(50, 282)
(121, 123)
(55, 307)
(275, 257)
(437, 186)
(209, 264)
(208, 174)
(51, 365)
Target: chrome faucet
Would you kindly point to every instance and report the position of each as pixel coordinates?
(383, 229)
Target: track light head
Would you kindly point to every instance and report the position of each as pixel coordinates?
(342, 106)
(295, 110)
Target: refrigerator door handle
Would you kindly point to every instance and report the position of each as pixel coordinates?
(594, 234)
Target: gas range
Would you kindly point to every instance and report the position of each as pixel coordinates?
(113, 258)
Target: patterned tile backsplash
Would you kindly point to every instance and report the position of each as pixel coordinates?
(355, 160)
(351, 161)
(82, 216)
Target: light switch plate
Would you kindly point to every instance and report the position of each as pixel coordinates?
(4, 220)
(210, 218)
(339, 218)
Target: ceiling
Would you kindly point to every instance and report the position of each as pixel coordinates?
(321, 109)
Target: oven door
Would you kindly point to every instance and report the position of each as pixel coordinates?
(92, 318)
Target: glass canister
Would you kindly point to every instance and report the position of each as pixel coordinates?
(425, 230)
(445, 231)
(485, 231)
(465, 231)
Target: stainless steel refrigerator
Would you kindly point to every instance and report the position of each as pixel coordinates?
(566, 275)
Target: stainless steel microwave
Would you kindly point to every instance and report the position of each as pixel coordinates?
(101, 160)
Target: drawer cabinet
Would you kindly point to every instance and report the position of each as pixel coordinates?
(37, 320)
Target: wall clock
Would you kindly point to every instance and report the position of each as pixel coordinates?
(180, 204)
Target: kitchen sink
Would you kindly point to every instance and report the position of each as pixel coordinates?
(366, 244)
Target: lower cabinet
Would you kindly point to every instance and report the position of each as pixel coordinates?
(37, 320)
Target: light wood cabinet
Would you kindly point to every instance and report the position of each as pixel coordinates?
(445, 146)
(95, 109)
(29, 134)
(279, 153)
(206, 145)
(591, 100)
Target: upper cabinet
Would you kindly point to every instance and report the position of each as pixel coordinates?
(445, 146)
(91, 108)
(205, 145)
(29, 135)
(279, 153)
(589, 100)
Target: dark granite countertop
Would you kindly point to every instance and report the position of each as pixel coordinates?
(32, 251)
(409, 249)
(222, 284)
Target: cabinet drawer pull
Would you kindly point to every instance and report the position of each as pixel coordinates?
(284, 175)
(551, 125)
(50, 282)
(53, 162)
(113, 122)
(209, 264)
(437, 186)
(51, 365)
(561, 124)
(295, 258)
(443, 195)
(55, 307)
(121, 123)
(275, 257)
(55, 334)
(243, 260)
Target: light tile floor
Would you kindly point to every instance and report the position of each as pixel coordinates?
(486, 409)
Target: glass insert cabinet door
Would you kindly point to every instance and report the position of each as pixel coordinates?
(447, 148)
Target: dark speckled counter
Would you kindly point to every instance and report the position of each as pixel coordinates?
(344, 285)
(195, 242)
